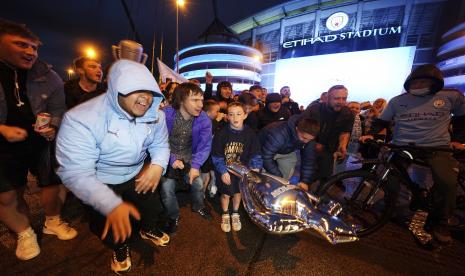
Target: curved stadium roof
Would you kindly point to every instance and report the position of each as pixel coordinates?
(284, 10)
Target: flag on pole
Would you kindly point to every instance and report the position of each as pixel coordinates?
(166, 72)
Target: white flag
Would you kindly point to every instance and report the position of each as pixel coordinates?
(166, 72)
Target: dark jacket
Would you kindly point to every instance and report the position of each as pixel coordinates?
(292, 106)
(266, 117)
(201, 137)
(208, 94)
(332, 123)
(281, 137)
(74, 94)
(44, 89)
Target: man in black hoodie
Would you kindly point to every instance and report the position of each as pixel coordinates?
(273, 111)
(422, 117)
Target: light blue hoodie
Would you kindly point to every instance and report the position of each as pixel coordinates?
(99, 143)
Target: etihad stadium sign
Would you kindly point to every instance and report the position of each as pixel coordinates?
(379, 32)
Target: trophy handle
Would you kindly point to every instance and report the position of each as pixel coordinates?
(115, 52)
(144, 58)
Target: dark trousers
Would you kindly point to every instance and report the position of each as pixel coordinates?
(325, 162)
(148, 205)
(444, 190)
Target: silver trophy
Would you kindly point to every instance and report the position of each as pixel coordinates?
(128, 49)
(280, 208)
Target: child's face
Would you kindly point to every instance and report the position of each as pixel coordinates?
(236, 117)
(213, 112)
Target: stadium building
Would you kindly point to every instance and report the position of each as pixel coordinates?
(369, 46)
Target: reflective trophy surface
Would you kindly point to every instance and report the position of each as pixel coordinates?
(280, 208)
(128, 49)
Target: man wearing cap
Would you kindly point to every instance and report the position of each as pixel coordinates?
(273, 111)
(101, 149)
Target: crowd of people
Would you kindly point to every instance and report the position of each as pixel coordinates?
(123, 146)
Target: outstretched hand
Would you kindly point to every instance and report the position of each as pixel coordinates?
(119, 222)
(13, 134)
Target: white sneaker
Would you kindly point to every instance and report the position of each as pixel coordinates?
(226, 223)
(213, 190)
(236, 222)
(27, 247)
(121, 260)
(59, 228)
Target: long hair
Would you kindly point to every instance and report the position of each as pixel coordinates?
(182, 92)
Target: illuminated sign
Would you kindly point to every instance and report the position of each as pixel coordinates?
(337, 21)
(343, 36)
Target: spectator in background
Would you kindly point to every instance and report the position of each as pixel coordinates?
(354, 144)
(273, 111)
(373, 113)
(168, 92)
(287, 102)
(323, 98)
(249, 101)
(212, 108)
(195, 81)
(264, 94)
(224, 91)
(88, 85)
(257, 91)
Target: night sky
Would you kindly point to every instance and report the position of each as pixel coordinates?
(66, 26)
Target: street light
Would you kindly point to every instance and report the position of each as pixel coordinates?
(90, 52)
(179, 3)
(70, 72)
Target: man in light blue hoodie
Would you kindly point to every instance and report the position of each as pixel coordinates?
(101, 148)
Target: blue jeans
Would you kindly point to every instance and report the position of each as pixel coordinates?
(170, 202)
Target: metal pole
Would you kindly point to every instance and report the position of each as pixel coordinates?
(177, 38)
(131, 22)
(153, 53)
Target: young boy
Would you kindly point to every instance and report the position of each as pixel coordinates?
(236, 143)
(212, 108)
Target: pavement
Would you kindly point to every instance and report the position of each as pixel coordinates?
(201, 248)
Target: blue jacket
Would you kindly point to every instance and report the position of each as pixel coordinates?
(44, 90)
(201, 137)
(99, 143)
(281, 137)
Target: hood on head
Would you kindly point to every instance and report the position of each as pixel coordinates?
(273, 98)
(127, 76)
(427, 71)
